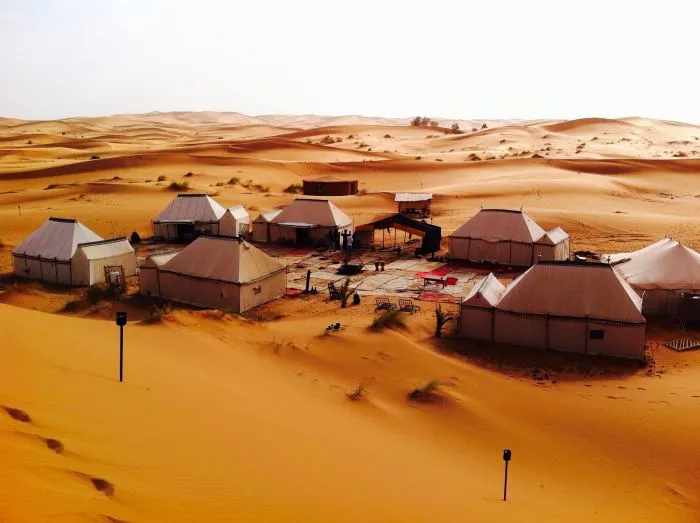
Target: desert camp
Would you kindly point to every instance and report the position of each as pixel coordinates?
(371, 276)
(507, 237)
(218, 272)
(189, 215)
(65, 252)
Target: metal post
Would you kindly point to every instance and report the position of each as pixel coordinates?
(121, 355)
(505, 484)
(308, 280)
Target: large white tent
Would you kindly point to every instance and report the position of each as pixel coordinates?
(308, 221)
(261, 225)
(565, 306)
(507, 237)
(215, 272)
(64, 251)
(189, 215)
(659, 273)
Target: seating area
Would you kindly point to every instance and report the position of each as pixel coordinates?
(404, 305)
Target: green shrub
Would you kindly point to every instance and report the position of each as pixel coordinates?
(95, 293)
(426, 392)
(295, 188)
(156, 314)
(162, 178)
(178, 186)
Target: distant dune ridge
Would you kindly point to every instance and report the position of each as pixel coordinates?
(227, 418)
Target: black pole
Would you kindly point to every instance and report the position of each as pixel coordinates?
(308, 280)
(505, 484)
(121, 355)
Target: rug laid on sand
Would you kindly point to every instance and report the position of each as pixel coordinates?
(437, 297)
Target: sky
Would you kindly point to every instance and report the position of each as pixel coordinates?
(454, 59)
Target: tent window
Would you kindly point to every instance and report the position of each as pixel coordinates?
(257, 290)
(597, 334)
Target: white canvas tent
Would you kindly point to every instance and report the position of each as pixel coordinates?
(507, 237)
(261, 225)
(307, 221)
(215, 272)
(64, 251)
(189, 215)
(659, 273)
(573, 307)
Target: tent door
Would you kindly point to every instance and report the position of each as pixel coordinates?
(303, 237)
(185, 231)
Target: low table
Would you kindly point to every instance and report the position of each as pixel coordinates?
(434, 279)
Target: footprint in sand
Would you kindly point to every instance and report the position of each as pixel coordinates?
(99, 484)
(17, 414)
(54, 445)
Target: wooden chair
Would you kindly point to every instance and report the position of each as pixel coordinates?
(333, 293)
(406, 305)
(383, 304)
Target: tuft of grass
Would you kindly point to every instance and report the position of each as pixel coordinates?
(387, 320)
(295, 188)
(441, 318)
(358, 393)
(426, 392)
(178, 186)
(189, 175)
(345, 292)
(388, 136)
(95, 293)
(233, 181)
(94, 157)
(162, 178)
(157, 314)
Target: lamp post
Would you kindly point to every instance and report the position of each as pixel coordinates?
(121, 321)
(506, 458)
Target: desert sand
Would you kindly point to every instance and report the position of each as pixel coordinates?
(246, 418)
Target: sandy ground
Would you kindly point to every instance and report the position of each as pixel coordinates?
(227, 418)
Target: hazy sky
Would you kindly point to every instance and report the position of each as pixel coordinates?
(460, 59)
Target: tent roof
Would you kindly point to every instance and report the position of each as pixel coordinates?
(267, 216)
(500, 225)
(57, 238)
(224, 259)
(156, 260)
(192, 207)
(666, 264)
(485, 293)
(101, 250)
(575, 290)
(238, 212)
(412, 197)
(312, 211)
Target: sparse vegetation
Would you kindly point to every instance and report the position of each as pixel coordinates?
(438, 159)
(327, 140)
(157, 314)
(426, 392)
(441, 318)
(94, 157)
(423, 121)
(351, 136)
(455, 129)
(295, 188)
(419, 157)
(135, 237)
(345, 292)
(388, 136)
(484, 126)
(95, 293)
(387, 320)
(233, 181)
(29, 142)
(178, 186)
(162, 178)
(358, 393)
(188, 175)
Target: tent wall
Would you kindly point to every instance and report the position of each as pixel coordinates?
(661, 302)
(571, 335)
(478, 250)
(61, 272)
(557, 252)
(228, 225)
(91, 272)
(330, 188)
(199, 292)
(168, 231)
(516, 329)
(262, 291)
(476, 323)
(261, 231)
(148, 281)
(281, 234)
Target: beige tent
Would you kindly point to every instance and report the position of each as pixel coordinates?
(659, 273)
(508, 238)
(64, 251)
(573, 307)
(307, 221)
(189, 215)
(261, 225)
(215, 272)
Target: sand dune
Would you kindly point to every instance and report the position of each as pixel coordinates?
(246, 418)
